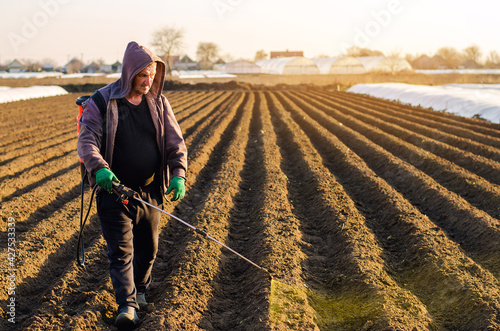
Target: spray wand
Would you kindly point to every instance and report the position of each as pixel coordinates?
(125, 194)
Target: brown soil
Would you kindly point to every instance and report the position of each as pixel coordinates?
(369, 214)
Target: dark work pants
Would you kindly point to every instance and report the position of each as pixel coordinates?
(131, 233)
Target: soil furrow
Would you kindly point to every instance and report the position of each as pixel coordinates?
(421, 132)
(196, 122)
(333, 227)
(64, 139)
(47, 243)
(28, 114)
(83, 299)
(43, 138)
(434, 139)
(30, 205)
(51, 292)
(427, 115)
(363, 225)
(99, 297)
(463, 223)
(482, 166)
(241, 292)
(412, 242)
(182, 97)
(37, 159)
(23, 179)
(27, 111)
(19, 138)
(198, 99)
(200, 106)
(474, 132)
(177, 96)
(187, 287)
(203, 133)
(475, 189)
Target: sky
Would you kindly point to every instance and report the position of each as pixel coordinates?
(92, 29)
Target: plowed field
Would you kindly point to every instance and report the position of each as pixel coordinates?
(369, 214)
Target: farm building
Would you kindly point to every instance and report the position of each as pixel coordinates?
(73, 66)
(17, 66)
(171, 60)
(186, 64)
(116, 67)
(47, 67)
(111, 68)
(238, 67)
(339, 65)
(287, 53)
(92, 68)
(288, 66)
(384, 64)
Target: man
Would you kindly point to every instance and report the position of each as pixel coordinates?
(139, 144)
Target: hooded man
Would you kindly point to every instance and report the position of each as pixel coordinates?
(138, 143)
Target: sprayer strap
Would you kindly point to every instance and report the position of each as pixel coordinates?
(103, 108)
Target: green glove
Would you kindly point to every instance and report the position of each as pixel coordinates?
(105, 178)
(177, 184)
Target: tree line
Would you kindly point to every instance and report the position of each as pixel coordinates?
(169, 41)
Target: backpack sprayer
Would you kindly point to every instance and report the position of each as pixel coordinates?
(125, 194)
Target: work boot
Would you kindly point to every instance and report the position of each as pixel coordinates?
(127, 318)
(141, 300)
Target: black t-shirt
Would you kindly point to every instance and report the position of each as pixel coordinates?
(136, 156)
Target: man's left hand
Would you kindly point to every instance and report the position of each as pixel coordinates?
(177, 185)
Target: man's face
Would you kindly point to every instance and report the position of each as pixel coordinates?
(144, 79)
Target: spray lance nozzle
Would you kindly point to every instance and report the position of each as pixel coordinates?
(124, 193)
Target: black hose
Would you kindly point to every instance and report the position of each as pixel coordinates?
(80, 248)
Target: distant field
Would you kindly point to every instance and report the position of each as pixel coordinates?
(343, 81)
(371, 215)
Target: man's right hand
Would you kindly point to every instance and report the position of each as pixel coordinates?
(105, 178)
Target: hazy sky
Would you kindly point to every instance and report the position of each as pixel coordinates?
(62, 29)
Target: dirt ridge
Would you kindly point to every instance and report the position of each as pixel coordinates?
(369, 214)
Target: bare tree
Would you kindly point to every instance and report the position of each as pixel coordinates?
(100, 61)
(493, 60)
(32, 65)
(394, 60)
(167, 41)
(473, 53)
(207, 51)
(451, 56)
(260, 55)
(50, 61)
(412, 57)
(228, 57)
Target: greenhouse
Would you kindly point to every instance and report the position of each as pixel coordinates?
(384, 64)
(238, 67)
(339, 65)
(288, 66)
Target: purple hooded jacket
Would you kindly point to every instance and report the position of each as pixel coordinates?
(168, 133)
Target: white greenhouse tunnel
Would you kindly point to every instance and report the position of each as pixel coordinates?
(289, 66)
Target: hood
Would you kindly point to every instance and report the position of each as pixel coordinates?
(136, 58)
